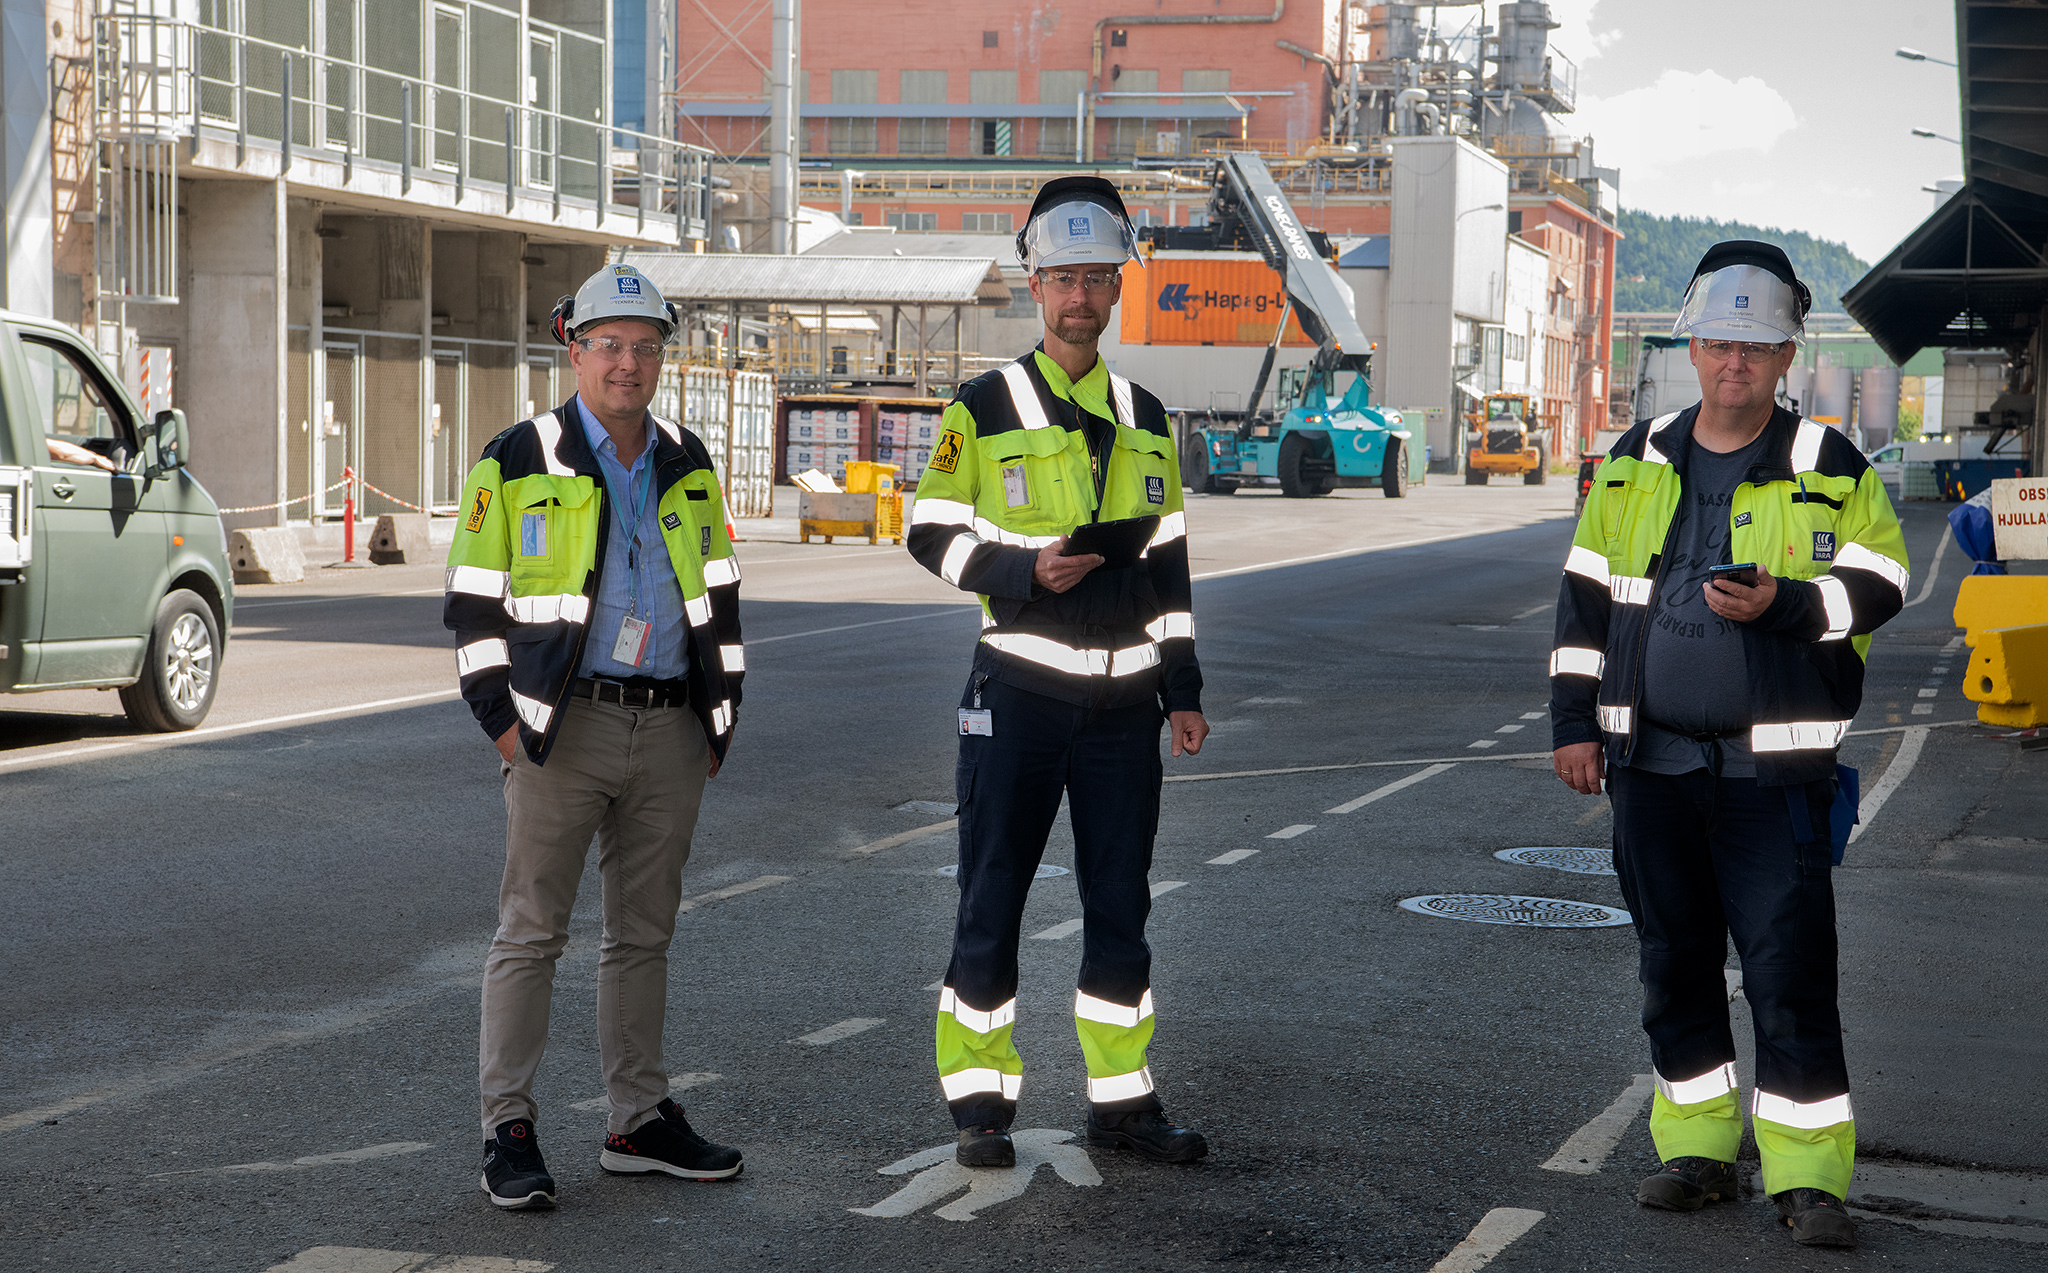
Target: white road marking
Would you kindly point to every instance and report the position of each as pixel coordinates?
(940, 1175)
(1733, 976)
(1954, 643)
(1533, 610)
(314, 601)
(1288, 833)
(1534, 715)
(349, 1259)
(872, 623)
(903, 837)
(1231, 858)
(1895, 773)
(1260, 702)
(1065, 929)
(1923, 709)
(1929, 693)
(1510, 729)
(1990, 1194)
(1933, 568)
(1495, 1230)
(1380, 793)
(1484, 743)
(842, 1030)
(1594, 814)
(719, 895)
(1338, 552)
(676, 1083)
(1587, 1148)
(216, 731)
(1167, 886)
(366, 1154)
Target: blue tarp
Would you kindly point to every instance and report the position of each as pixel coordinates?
(1971, 522)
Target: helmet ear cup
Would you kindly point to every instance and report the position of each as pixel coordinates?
(565, 309)
(675, 316)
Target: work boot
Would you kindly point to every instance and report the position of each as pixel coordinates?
(986, 1147)
(668, 1144)
(1816, 1218)
(1687, 1184)
(514, 1175)
(1148, 1133)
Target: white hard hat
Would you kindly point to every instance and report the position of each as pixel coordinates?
(616, 291)
(1746, 291)
(1076, 232)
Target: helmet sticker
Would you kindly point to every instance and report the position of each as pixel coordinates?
(1077, 227)
(1742, 302)
(628, 286)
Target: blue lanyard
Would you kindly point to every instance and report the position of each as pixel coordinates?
(645, 488)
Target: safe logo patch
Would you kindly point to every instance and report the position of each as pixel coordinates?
(946, 455)
(477, 511)
(1823, 545)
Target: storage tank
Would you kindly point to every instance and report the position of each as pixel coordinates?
(1831, 386)
(1877, 406)
(1799, 389)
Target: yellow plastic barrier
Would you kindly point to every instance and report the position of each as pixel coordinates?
(2000, 601)
(2008, 676)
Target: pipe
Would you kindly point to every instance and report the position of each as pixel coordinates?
(1153, 20)
(782, 108)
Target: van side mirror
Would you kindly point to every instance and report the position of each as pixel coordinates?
(173, 438)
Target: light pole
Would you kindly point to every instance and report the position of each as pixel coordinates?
(1915, 55)
(1929, 132)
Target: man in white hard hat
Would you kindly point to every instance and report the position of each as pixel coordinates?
(1712, 626)
(595, 601)
(1079, 664)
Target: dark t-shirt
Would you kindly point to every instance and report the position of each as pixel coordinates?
(1695, 676)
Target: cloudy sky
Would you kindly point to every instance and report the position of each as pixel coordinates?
(1787, 113)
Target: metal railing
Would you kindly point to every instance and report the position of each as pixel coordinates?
(166, 79)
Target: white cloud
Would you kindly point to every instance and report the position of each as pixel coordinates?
(1683, 117)
(1575, 36)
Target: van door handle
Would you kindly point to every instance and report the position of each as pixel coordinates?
(64, 490)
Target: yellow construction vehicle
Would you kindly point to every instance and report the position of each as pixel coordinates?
(1506, 438)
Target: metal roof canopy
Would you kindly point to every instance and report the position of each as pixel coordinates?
(1976, 272)
(725, 278)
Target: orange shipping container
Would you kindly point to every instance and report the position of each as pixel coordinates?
(1191, 301)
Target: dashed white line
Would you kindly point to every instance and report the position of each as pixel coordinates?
(1057, 931)
(1510, 729)
(872, 623)
(1231, 858)
(1954, 643)
(676, 1083)
(1588, 1147)
(1929, 693)
(719, 895)
(903, 837)
(1533, 610)
(1534, 715)
(1288, 833)
(1495, 1230)
(1167, 886)
(1895, 774)
(1380, 793)
(1484, 743)
(368, 1153)
(1923, 709)
(841, 1030)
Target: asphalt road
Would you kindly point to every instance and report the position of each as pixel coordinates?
(239, 1020)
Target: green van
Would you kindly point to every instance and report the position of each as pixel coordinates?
(113, 560)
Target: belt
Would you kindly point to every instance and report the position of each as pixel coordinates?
(636, 694)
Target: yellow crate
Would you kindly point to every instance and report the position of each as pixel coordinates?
(865, 477)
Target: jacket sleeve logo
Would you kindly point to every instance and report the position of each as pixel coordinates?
(703, 541)
(1742, 519)
(477, 511)
(1155, 490)
(1823, 545)
(946, 455)
(670, 521)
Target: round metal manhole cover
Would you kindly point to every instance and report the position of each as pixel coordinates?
(1046, 870)
(1523, 912)
(1577, 861)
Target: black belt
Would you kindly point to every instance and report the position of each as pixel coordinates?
(638, 694)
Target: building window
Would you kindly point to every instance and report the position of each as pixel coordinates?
(1118, 39)
(993, 136)
(988, 39)
(912, 220)
(854, 136)
(988, 222)
(1063, 89)
(921, 136)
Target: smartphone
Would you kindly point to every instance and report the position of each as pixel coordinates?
(1743, 572)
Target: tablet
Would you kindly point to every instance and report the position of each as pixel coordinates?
(1118, 542)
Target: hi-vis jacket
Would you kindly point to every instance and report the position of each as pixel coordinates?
(1812, 511)
(524, 568)
(1012, 472)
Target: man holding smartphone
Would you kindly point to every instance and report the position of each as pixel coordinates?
(1713, 700)
(1078, 665)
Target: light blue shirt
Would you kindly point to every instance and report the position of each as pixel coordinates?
(651, 574)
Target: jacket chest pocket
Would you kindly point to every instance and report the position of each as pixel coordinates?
(1142, 474)
(1623, 504)
(1033, 482)
(554, 533)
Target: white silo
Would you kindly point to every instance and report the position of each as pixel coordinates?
(1877, 406)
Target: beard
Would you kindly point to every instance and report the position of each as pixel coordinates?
(1078, 329)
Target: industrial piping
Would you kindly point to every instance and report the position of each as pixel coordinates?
(1154, 20)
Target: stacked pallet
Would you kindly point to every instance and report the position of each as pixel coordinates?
(824, 439)
(905, 438)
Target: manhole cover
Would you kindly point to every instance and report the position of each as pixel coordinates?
(1046, 870)
(1525, 912)
(1577, 861)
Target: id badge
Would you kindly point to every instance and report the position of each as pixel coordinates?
(1014, 489)
(977, 721)
(533, 534)
(631, 646)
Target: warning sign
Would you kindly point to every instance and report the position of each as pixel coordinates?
(2019, 517)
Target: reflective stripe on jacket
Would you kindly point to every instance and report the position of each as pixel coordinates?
(524, 566)
(1812, 511)
(1012, 472)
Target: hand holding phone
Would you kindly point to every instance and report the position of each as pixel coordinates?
(1743, 573)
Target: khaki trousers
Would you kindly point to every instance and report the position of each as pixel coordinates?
(634, 781)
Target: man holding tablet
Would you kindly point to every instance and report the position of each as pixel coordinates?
(1054, 494)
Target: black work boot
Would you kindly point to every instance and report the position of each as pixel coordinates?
(1816, 1218)
(1148, 1133)
(514, 1175)
(986, 1147)
(1687, 1184)
(669, 1145)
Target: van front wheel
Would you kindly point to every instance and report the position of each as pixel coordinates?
(179, 672)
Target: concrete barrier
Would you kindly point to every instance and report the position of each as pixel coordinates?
(2008, 676)
(267, 554)
(2000, 601)
(402, 539)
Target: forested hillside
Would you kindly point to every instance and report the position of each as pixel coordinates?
(1657, 255)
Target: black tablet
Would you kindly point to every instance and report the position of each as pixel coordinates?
(1118, 542)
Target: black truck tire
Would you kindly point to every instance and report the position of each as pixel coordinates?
(1295, 481)
(1541, 473)
(1394, 469)
(180, 670)
(1475, 477)
(1194, 467)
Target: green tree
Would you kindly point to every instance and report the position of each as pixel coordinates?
(1655, 260)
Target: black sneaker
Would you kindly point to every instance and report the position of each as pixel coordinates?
(667, 1143)
(1148, 1133)
(514, 1174)
(986, 1147)
(1687, 1184)
(1816, 1218)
